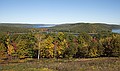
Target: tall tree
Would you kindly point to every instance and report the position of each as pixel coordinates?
(40, 37)
(47, 47)
(84, 41)
(71, 47)
(115, 42)
(60, 44)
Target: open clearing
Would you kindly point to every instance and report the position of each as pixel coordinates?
(81, 64)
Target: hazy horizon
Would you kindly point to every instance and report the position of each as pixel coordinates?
(59, 23)
(60, 11)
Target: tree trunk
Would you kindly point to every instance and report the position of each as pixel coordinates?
(38, 54)
(39, 48)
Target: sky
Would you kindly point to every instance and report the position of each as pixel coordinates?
(60, 11)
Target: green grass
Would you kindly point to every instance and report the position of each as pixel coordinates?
(83, 64)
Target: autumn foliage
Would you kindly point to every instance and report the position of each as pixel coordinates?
(59, 45)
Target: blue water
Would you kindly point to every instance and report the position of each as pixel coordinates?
(43, 26)
(116, 31)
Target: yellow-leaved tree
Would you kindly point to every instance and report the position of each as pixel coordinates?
(60, 44)
(39, 37)
(47, 47)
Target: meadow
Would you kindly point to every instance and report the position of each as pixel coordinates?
(77, 64)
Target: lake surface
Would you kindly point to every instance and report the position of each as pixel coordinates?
(116, 30)
(43, 25)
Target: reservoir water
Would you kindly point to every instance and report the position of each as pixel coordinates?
(43, 25)
(116, 31)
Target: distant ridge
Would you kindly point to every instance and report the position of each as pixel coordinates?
(24, 25)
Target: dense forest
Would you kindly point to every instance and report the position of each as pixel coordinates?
(39, 44)
(59, 45)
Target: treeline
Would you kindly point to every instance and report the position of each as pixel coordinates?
(59, 45)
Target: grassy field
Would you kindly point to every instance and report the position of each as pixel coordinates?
(81, 64)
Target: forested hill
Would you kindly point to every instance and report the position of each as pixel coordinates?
(84, 27)
(20, 27)
(75, 27)
(9, 27)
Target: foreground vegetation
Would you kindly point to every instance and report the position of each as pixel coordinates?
(83, 64)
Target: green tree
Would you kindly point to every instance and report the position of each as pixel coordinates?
(84, 41)
(108, 46)
(115, 45)
(71, 47)
(25, 46)
(3, 47)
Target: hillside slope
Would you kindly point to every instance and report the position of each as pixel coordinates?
(20, 27)
(84, 27)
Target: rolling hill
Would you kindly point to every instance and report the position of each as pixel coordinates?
(75, 27)
(84, 27)
(20, 27)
